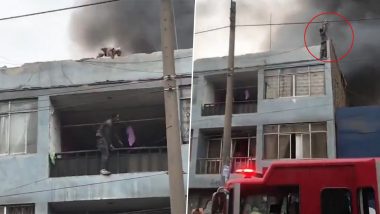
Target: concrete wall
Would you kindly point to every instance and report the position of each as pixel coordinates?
(54, 132)
(337, 81)
(270, 111)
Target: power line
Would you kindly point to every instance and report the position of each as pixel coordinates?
(301, 23)
(57, 10)
(212, 29)
(285, 23)
(83, 185)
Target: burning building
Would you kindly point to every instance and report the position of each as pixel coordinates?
(283, 109)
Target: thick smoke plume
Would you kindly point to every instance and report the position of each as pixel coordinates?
(133, 25)
(362, 67)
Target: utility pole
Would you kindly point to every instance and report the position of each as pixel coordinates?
(226, 149)
(177, 192)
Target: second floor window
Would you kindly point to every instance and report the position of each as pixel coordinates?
(294, 82)
(18, 127)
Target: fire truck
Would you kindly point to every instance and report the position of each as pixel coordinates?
(338, 186)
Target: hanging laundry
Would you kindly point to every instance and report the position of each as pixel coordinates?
(131, 135)
(246, 92)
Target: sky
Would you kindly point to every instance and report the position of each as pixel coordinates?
(215, 13)
(36, 38)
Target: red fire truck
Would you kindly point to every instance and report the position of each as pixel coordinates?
(339, 186)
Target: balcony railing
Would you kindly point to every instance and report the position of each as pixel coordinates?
(214, 166)
(122, 160)
(239, 107)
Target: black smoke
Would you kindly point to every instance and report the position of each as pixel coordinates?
(362, 67)
(133, 25)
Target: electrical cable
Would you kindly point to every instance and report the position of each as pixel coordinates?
(58, 10)
(285, 23)
(83, 185)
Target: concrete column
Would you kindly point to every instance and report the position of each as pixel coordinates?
(43, 138)
(42, 208)
(194, 153)
(331, 140)
(260, 89)
(259, 147)
(43, 125)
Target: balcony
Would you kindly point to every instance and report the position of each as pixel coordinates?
(239, 107)
(122, 160)
(214, 166)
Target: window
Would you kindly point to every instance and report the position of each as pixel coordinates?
(17, 209)
(367, 201)
(292, 82)
(295, 141)
(336, 201)
(18, 127)
(281, 199)
(242, 147)
(185, 97)
(214, 148)
(243, 154)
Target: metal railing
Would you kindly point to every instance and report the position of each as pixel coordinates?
(240, 107)
(213, 165)
(121, 160)
(208, 166)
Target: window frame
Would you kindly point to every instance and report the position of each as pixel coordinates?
(233, 144)
(7, 206)
(8, 114)
(360, 199)
(185, 97)
(278, 73)
(336, 188)
(280, 133)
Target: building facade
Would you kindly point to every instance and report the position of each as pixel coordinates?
(49, 113)
(283, 109)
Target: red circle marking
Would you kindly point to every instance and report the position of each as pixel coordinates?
(352, 33)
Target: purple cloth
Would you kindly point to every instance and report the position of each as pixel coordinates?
(131, 136)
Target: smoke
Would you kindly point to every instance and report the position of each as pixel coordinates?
(133, 25)
(361, 67)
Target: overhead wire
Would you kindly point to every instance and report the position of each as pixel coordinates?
(83, 185)
(58, 10)
(284, 23)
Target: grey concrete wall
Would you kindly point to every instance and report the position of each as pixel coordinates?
(270, 111)
(337, 81)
